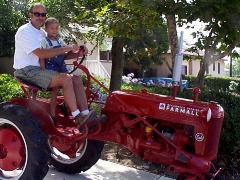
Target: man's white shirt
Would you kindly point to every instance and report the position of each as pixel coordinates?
(27, 39)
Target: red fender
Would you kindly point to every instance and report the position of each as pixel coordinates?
(40, 110)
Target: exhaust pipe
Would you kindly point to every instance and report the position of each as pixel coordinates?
(177, 70)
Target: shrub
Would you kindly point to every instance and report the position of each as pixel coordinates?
(9, 88)
(217, 83)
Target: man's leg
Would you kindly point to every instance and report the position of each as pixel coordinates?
(80, 93)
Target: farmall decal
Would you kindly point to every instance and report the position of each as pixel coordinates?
(179, 109)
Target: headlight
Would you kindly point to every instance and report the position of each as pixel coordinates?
(209, 114)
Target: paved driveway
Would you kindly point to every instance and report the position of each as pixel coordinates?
(104, 170)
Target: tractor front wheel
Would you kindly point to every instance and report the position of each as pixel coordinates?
(24, 151)
(86, 156)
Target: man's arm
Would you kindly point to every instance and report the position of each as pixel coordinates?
(48, 53)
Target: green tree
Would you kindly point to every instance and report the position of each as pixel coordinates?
(148, 47)
(120, 19)
(9, 25)
(221, 33)
(222, 30)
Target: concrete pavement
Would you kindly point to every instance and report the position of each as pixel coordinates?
(105, 170)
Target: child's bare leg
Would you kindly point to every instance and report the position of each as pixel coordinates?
(65, 81)
(80, 93)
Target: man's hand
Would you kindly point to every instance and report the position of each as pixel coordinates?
(74, 48)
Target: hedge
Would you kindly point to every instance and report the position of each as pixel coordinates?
(217, 83)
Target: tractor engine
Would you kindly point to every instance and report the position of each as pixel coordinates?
(181, 133)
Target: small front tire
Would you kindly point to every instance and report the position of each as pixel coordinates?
(89, 153)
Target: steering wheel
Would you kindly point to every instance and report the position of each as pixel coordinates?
(81, 60)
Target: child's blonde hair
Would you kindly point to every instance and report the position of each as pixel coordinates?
(51, 20)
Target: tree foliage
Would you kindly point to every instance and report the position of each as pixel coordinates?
(221, 33)
(222, 29)
(125, 21)
(147, 50)
(14, 17)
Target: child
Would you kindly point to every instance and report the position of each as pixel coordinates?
(57, 64)
(53, 41)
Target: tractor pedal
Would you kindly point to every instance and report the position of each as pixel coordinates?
(103, 118)
(93, 126)
(96, 121)
(63, 109)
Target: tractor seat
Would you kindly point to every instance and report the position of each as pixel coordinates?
(29, 89)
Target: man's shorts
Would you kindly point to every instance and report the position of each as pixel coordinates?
(35, 76)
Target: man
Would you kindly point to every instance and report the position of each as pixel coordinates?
(26, 63)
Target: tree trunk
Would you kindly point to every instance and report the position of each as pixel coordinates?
(200, 77)
(230, 73)
(172, 37)
(208, 58)
(117, 64)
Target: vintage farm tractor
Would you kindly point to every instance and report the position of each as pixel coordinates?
(180, 133)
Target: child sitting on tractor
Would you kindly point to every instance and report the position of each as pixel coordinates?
(57, 63)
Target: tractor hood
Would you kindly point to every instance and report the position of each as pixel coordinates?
(156, 106)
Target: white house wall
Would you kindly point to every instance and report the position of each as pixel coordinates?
(92, 61)
(194, 66)
(107, 66)
(215, 73)
(103, 68)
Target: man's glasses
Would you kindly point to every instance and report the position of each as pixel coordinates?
(37, 14)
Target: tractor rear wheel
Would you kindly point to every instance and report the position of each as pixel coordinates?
(24, 151)
(87, 155)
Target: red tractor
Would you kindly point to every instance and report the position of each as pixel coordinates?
(180, 133)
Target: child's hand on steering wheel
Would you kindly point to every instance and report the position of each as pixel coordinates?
(83, 51)
(74, 48)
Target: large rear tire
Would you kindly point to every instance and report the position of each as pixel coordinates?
(88, 154)
(24, 147)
